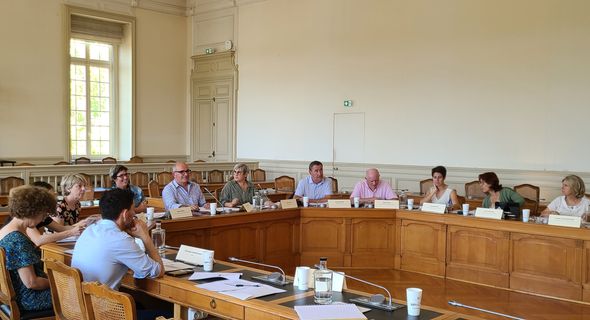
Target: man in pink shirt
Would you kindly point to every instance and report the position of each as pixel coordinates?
(371, 188)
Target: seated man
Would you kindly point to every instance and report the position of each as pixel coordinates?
(372, 188)
(316, 187)
(107, 249)
(181, 192)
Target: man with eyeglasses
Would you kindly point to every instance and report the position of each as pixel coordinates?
(181, 192)
(121, 180)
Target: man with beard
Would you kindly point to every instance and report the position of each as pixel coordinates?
(107, 249)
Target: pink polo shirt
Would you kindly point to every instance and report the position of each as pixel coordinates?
(382, 192)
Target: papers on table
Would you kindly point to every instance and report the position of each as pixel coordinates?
(68, 239)
(329, 311)
(171, 265)
(69, 251)
(241, 289)
(209, 275)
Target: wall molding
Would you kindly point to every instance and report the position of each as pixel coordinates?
(174, 7)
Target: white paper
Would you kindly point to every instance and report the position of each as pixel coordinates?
(329, 311)
(68, 239)
(361, 309)
(209, 275)
(241, 289)
(69, 251)
(159, 215)
(171, 265)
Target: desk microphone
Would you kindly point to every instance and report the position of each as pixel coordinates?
(274, 278)
(211, 194)
(374, 301)
(458, 304)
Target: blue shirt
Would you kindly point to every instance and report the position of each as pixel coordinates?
(104, 253)
(175, 196)
(307, 188)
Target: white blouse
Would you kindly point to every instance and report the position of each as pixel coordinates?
(558, 204)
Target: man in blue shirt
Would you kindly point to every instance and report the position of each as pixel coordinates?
(181, 192)
(316, 187)
(107, 249)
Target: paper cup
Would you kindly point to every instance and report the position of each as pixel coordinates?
(525, 215)
(413, 298)
(357, 202)
(213, 208)
(465, 209)
(410, 204)
(302, 274)
(305, 202)
(149, 213)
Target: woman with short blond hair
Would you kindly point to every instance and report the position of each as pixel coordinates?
(573, 202)
(73, 187)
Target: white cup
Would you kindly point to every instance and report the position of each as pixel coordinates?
(357, 202)
(305, 202)
(410, 204)
(465, 209)
(413, 299)
(302, 274)
(149, 213)
(208, 265)
(213, 208)
(525, 215)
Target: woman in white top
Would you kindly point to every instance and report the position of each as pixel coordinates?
(440, 192)
(573, 202)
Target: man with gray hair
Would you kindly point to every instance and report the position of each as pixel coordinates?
(373, 188)
(181, 192)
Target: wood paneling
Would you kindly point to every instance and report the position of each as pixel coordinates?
(372, 243)
(422, 247)
(478, 255)
(322, 237)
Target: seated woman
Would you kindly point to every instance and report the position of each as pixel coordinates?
(573, 202)
(440, 192)
(239, 190)
(28, 207)
(490, 185)
(73, 187)
(120, 178)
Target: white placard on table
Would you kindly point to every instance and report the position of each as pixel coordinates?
(289, 204)
(386, 204)
(564, 221)
(194, 255)
(489, 213)
(339, 203)
(181, 212)
(434, 207)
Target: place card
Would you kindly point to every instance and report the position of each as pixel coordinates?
(434, 207)
(181, 212)
(386, 204)
(248, 207)
(564, 221)
(339, 203)
(289, 204)
(194, 255)
(489, 213)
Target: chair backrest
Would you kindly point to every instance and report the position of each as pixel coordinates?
(171, 161)
(334, 185)
(461, 200)
(107, 181)
(215, 176)
(473, 190)
(66, 291)
(425, 186)
(157, 203)
(82, 160)
(88, 178)
(61, 163)
(88, 194)
(153, 189)
(140, 179)
(135, 159)
(7, 294)
(104, 303)
(258, 175)
(164, 178)
(285, 184)
(24, 164)
(531, 194)
(200, 160)
(8, 183)
(109, 160)
(196, 176)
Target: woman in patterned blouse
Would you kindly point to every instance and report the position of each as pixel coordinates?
(67, 211)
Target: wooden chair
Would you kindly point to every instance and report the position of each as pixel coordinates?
(61, 163)
(531, 193)
(9, 309)
(135, 159)
(171, 161)
(66, 291)
(140, 179)
(88, 194)
(154, 189)
(215, 176)
(82, 160)
(8, 183)
(258, 175)
(461, 200)
(157, 203)
(104, 303)
(24, 164)
(164, 178)
(285, 184)
(425, 186)
(109, 160)
(196, 176)
(88, 178)
(334, 185)
(473, 190)
(107, 181)
(200, 160)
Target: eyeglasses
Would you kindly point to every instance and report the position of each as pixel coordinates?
(238, 172)
(123, 175)
(187, 171)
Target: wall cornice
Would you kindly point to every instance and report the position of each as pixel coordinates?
(174, 7)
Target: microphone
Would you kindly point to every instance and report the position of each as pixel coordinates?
(458, 304)
(212, 195)
(374, 301)
(274, 278)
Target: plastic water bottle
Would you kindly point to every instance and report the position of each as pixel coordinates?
(257, 201)
(159, 238)
(323, 283)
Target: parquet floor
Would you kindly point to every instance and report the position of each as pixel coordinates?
(437, 292)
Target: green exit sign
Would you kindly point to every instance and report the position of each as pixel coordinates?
(348, 103)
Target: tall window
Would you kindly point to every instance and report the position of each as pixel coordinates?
(92, 103)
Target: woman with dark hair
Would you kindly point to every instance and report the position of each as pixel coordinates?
(440, 192)
(28, 206)
(490, 185)
(120, 176)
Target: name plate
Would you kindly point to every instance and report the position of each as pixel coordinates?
(248, 207)
(386, 204)
(289, 204)
(181, 212)
(564, 221)
(339, 203)
(489, 213)
(194, 255)
(434, 207)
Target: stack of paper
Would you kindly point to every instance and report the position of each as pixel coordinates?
(241, 289)
(209, 275)
(329, 311)
(170, 265)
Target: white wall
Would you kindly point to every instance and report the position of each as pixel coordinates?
(478, 84)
